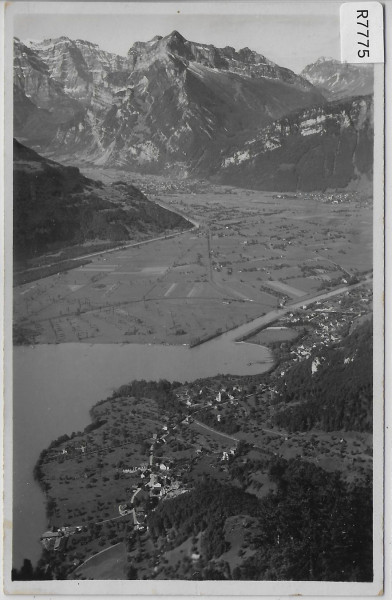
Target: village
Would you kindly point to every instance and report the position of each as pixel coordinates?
(326, 321)
(138, 452)
(154, 483)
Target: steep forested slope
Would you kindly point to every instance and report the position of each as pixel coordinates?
(56, 206)
(306, 530)
(339, 395)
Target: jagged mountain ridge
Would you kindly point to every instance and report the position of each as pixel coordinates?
(169, 105)
(243, 61)
(337, 80)
(55, 207)
(316, 148)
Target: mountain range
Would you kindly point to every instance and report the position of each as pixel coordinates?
(177, 107)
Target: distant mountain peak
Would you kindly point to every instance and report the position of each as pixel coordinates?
(326, 59)
(244, 61)
(247, 52)
(86, 43)
(176, 35)
(339, 80)
(62, 38)
(176, 41)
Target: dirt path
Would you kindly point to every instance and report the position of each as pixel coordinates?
(216, 432)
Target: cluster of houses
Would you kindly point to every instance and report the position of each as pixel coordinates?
(73, 448)
(326, 321)
(199, 397)
(155, 480)
(56, 539)
(226, 455)
(330, 197)
(168, 186)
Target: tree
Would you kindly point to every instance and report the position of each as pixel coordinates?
(132, 573)
(28, 573)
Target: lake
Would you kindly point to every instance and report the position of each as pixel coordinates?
(56, 385)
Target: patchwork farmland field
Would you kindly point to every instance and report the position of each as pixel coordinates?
(250, 253)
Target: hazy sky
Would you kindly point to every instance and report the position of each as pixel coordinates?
(292, 40)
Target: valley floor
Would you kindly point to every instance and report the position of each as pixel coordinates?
(253, 252)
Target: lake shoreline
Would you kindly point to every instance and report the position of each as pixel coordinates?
(77, 378)
(79, 374)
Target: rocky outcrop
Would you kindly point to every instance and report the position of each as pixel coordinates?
(244, 62)
(322, 147)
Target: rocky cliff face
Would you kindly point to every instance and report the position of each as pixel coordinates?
(244, 61)
(76, 68)
(339, 80)
(322, 147)
(169, 105)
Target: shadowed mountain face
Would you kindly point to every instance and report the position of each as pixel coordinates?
(55, 207)
(338, 80)
(321, 147)
(169, 105)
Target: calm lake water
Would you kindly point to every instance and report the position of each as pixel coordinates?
(55, 387)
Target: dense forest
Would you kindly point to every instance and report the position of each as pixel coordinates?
(161, 391)
(314, 527)
(336, 396)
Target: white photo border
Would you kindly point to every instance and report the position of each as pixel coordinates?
(197, 588)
